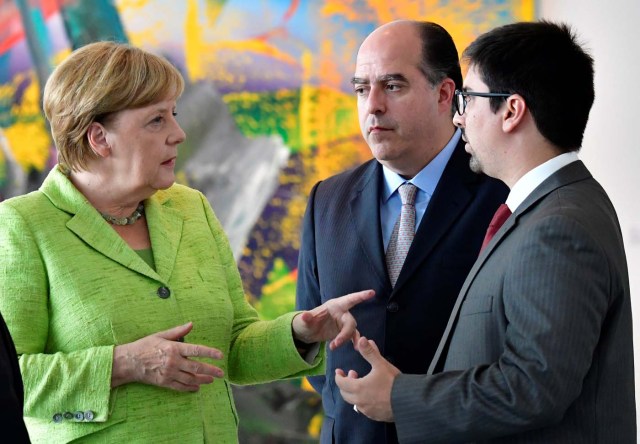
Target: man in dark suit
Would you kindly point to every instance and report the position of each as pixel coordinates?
(405, 78)
(11, 391)
(538, 348)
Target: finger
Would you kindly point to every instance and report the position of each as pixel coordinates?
(369, 351)
(180, 387)
(170, 375)
(316, 315)
(340, 372)
(175, 333)
(199, 351)
(352, 374)
(346, 331)
(200, 368)
(347, 387)
(191, 380)
(352, 299)
(355, 338)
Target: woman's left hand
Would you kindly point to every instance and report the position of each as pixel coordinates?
(330, 321)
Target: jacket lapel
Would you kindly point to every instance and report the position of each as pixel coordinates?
(450, 198)
(165, 229)
(365, 215)
(573, 172)
(87, 224)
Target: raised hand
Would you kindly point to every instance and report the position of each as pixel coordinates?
(330, 321)
(372, 393)
(160, 359)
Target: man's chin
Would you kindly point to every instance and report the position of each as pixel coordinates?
(475, 165)
(382, 150)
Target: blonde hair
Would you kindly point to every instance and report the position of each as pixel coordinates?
(96, 81)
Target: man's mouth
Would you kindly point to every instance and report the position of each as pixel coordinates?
(378, 129)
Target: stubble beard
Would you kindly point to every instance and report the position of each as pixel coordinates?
(474, 164)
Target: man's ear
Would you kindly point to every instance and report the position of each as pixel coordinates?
(513, 114)
(447, 91)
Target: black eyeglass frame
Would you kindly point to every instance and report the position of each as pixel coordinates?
(463, 94)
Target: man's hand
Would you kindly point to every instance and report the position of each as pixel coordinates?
(372, 393)
(330, 321)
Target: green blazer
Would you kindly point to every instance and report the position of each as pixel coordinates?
(71, 289)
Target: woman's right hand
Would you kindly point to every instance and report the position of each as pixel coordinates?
(160, 359)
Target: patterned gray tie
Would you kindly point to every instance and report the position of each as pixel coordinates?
(403, 232)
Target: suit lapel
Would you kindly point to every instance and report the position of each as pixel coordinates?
(573, 172)
(365, 215)
(450, 198)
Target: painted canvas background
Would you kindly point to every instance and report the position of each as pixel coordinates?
(268, 111)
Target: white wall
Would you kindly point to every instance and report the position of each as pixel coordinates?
(611, 150)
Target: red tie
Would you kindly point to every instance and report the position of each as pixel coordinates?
(502, 214)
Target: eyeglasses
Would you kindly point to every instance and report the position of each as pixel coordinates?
(462, 97)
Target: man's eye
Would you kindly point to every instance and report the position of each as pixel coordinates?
(360, 90)
(392, 87)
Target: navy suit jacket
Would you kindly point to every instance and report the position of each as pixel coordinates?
(342, 252)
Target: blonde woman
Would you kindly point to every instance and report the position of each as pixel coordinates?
(119, 287)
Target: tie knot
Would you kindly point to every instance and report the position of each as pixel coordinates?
(407, 193)
(502, 214)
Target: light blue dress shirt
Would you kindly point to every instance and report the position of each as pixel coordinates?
(426, 181)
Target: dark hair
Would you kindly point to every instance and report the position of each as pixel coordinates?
(544, 63)
(439, 54)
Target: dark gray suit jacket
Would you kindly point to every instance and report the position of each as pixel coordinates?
(538, 348)
(342, 252)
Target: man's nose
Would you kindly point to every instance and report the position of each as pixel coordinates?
(376, 101)
(458, 120)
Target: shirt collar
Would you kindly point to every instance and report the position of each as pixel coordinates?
(427, 178)
(530, 181)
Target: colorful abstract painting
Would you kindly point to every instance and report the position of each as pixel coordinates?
(268, 111)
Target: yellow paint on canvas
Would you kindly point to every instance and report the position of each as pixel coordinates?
(29, 142)
(343, 8)
(315, 426)
(527, 10)
(454, 15)
(28, 138)
(201, 55)
(131, 4)
(193, 43)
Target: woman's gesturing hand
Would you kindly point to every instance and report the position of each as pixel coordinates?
(330, 321)
(161, 359)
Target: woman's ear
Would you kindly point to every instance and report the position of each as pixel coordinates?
(514, 112)
(97, 137)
